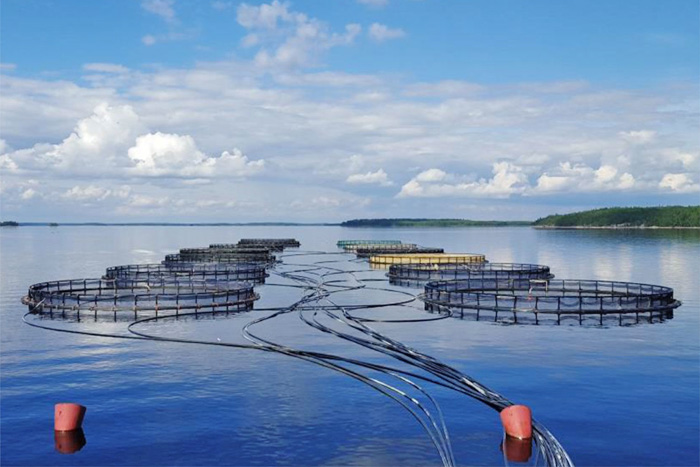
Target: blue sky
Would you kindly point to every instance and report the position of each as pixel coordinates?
(307, 110)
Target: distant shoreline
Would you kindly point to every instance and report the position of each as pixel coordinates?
(611, 227)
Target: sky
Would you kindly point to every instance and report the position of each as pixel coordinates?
(227, 111)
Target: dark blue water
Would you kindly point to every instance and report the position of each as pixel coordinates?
(612, 396)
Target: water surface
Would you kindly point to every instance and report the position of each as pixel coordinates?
(613, 395)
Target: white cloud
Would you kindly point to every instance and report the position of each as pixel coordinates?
(581, 178)
(638, 137)
(157, 154)
(105, 68)
(95, 193)
(162, 8)
(221, 6)
(431, 175)
(148, 40)
(286, 38)
(379, 177)
(381, 32)
(28, 194)
(679, 183)
(8, 66)
(112, 143)
(507, 180)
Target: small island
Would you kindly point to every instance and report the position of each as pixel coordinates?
(9, 224)
(663, 217)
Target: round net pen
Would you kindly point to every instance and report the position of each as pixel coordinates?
(223, 257)
(372, 251)
(241, 272)
(536, 301)
(131, 299)
(345, 244)
(416, 275)
(276, 242)
(384, 261)
(235, 250)
(247, 246)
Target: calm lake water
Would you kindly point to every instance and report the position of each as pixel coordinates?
(612, 395)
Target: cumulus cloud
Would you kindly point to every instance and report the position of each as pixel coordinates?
(157, 154)
(381, 32)
(288, 38)
(581, 178)
(507, 180)
(679, 183)
(113, 143)
(379, 178)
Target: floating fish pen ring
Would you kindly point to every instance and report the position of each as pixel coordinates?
(284, 242)
(425, 258)
(243, 272)
(453, 272)
(221, 258)
(349, 243)
(366, 252)
(568, 298)
(124, 295)
(246, 246)
(234, 250)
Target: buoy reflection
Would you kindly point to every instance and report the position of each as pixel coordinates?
(69, 442)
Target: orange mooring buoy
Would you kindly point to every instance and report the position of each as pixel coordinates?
(68, 416)
(517, 421)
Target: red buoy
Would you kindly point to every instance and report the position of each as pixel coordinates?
(517, 421)
(68, 416)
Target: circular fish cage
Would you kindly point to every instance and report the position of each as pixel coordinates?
(345, 244)
(418, 274)
(164, 296)
(243, 272)
(425, 258)
(247, 246)
(372, 251)
(223, 257)
(534, 301)
(283, 242)
(225, 251)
